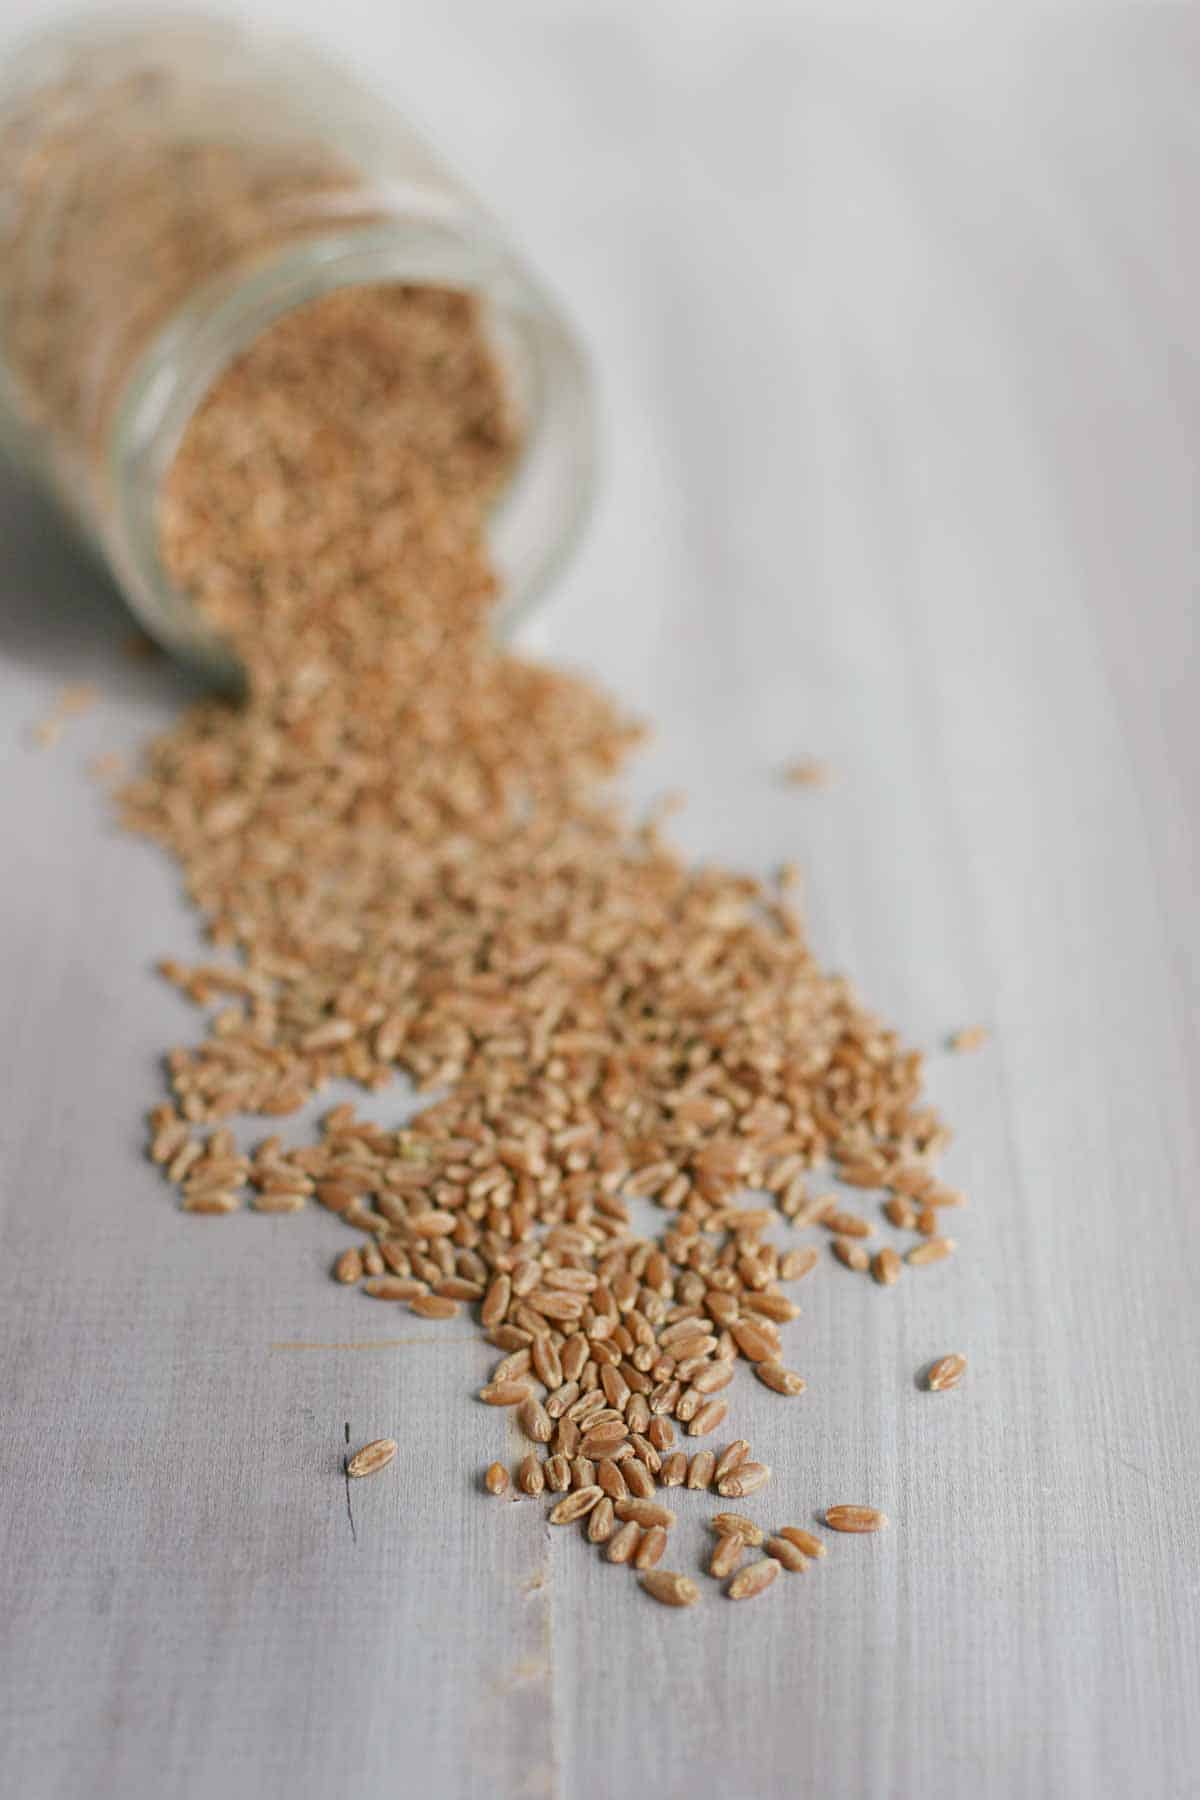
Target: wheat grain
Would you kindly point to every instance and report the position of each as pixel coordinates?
(505, 1393)
(804, 1541)
(745, 1480)
(371, 1458)
(534, 1420)
(731, 1524)
(650, 1550)
(886, 1266)
(394, 1287)
(946, 1372)
(670, 1589)
(674, 1470)
(530, 1477)
(399, 840)
(575, 1505)
(755, 1578)
(936, 1249)
(727, 1554)
(731, 1458)
(644, 1512)
(707, 1418)
(623, 1542)
(850, 1252)
(556, 1471)
(600, 1525)
(700, 1469)
(785, 1552)
(432, 1306)
(854, 1518)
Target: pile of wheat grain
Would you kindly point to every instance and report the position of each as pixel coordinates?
(405, 839)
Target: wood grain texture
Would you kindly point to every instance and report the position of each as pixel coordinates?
(897, 336)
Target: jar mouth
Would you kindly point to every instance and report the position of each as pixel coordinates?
(536, 518)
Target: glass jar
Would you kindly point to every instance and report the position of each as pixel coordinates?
(166, 193)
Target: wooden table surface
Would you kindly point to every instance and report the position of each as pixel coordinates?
(896, 333)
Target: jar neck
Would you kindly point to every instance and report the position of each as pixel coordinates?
(537, 517)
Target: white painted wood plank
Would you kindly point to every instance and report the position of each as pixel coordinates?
(897, 335)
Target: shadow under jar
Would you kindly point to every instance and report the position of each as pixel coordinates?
(166, 194)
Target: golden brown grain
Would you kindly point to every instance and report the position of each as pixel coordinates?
(650, 1551)
(754, 1340)
(700, 1469)
(971, 1037)
(496, 1479)
(432, 1306)
(727, 1554)
(806, 771)
(732, 1524)
(623, 1542)
(674, 1470)
(600, 1525)
(946, 1372)
(505, 1393)
(661, 1433)
(707, 1418)
(610, 1478)
(731, 1458)
(669, 1588)
(348, 1267)
(210, 1200)
(638, 1479)
(755, 1578)
(795, 1264)
(855, 1518)
(535, 1421)
(848, 1224)
(900, 1212)
(644, 1512)
(393, 1287)
(530, 1477)
(711, 1378)
(371, 1458)
(935, 1250)
(455, 1287)
(779, 1379)
(402, 847)
(804, 1541)
(746, 1479)
(776, 1307)
(574, 1505)
(850, 1252)
(583, 1472)
(603, 1439)
(556, 1471)
(785, 1552)
(496, 1300)
(886, 1266)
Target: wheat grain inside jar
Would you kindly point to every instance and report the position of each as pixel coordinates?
(168, 195)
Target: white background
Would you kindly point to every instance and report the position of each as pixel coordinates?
(894, 315)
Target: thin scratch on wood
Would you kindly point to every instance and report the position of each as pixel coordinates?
(346, 1477)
